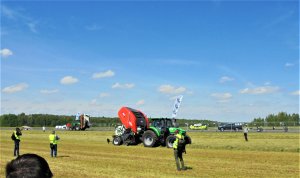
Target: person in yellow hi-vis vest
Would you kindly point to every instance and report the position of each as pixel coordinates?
(179, 148)
(16, 137)
(53, 143)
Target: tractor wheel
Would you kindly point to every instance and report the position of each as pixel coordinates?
(86, 125)
(77, 127)
(149, 138)
(170, 140)
(117, 141)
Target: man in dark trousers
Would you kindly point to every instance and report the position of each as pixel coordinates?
(178, 150)
(53, 138)
(246, 132)
(17, 138)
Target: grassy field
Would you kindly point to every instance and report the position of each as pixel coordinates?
(212, 154)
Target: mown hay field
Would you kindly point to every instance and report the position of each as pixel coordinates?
(212, 154)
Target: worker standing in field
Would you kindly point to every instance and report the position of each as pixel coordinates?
(53, 143)
(246, 132)
(179, 148)
(16, 137)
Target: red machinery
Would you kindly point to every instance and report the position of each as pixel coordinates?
(133, 119)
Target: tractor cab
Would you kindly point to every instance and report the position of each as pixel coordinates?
(161, 124)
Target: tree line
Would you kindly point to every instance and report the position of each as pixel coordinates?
(280, 119)
(33, 120)
(39, 120)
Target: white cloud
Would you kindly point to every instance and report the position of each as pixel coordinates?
(123, 86)
(67, 80)
(6, 52)
(49, 91)
(21, 17)
(15, 88)
(169, 89)
(225, 79)
(102, 95)
(289, 64)
(222, 97)
(105, 74)
(260, 90)
(7, 12)
(296, 93)
(141, 102)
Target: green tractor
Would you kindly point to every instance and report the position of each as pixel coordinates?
(81, 122)
(136, 129)
(162, 132)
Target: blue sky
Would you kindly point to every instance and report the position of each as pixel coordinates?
(231, 60)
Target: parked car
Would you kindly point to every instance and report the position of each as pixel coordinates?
(231, 126)
(26, 127)
(61, 127)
